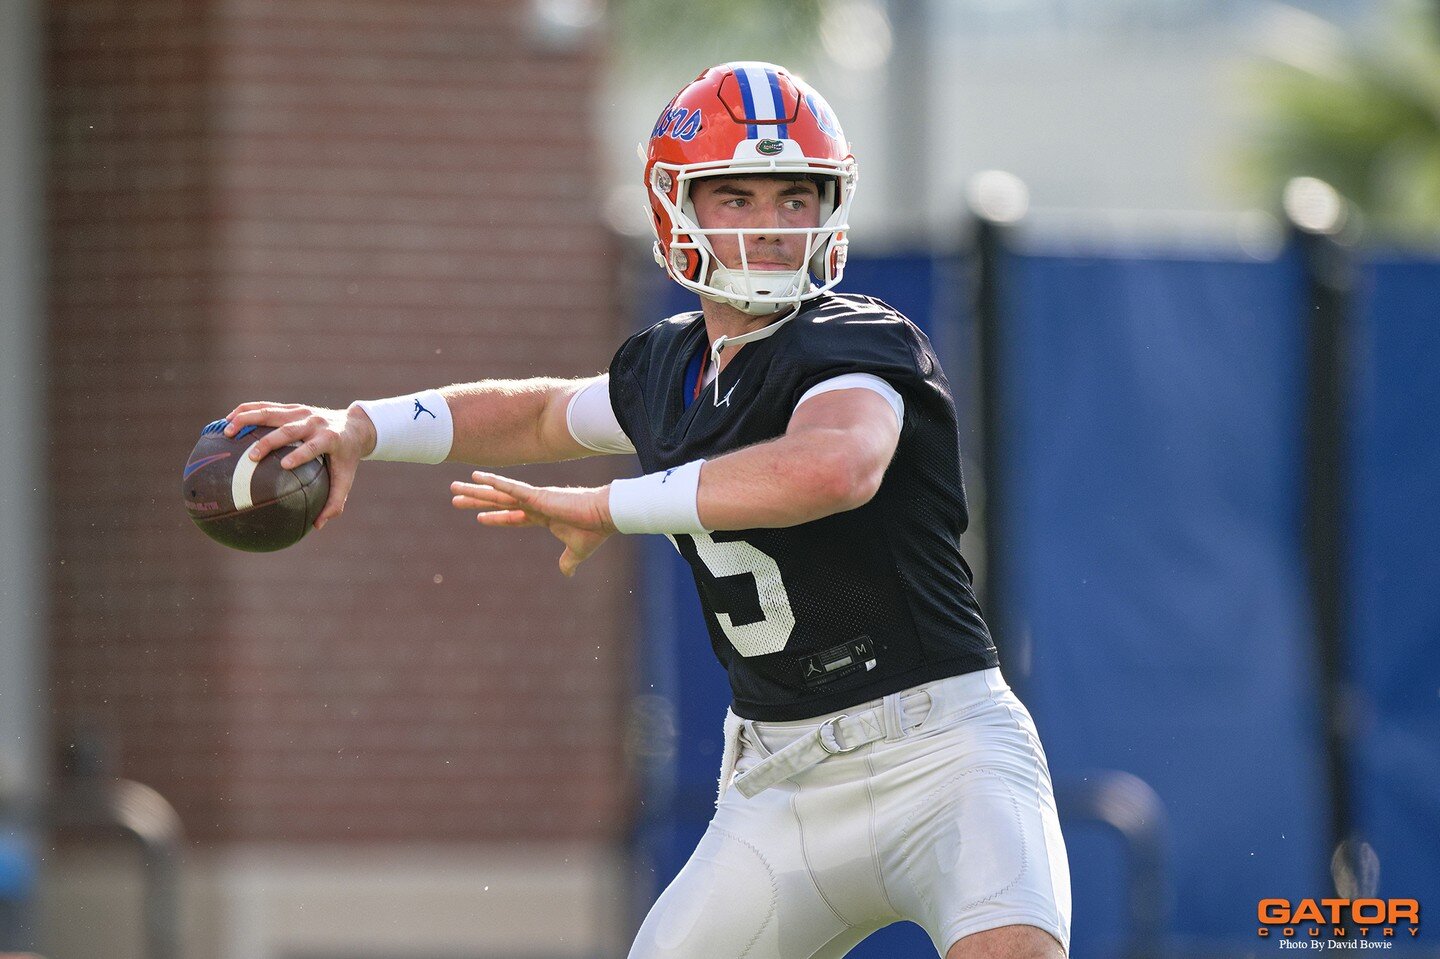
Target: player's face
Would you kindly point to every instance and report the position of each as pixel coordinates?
(758, 204)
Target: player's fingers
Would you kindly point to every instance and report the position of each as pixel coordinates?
(314, 447)
(579, 547)
(460, 487)
(475, 506)
(479, 505)
(248, 406)
(569, 562)
(251, 405)
(471, 496)
(509, 517)
(266, 417)
(521, 491)
(262, 414)
(340, 482)
(574, 555)
(297, 431)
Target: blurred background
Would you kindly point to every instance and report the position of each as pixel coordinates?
(1182, 259)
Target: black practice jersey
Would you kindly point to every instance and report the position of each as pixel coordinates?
(818, 617)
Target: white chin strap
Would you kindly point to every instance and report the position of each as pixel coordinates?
(721, 342)
(758, 292)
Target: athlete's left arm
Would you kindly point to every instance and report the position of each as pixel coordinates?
(831, 459)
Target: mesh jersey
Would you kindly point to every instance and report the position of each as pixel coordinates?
(814, 618)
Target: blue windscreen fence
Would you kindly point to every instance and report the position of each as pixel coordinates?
(17, 885)
(1152, 548)
(1154, 412)
(1394, 651)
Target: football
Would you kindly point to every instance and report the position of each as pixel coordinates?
(255, 506)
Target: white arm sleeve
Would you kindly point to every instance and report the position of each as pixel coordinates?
(592, 421)
(862, 381)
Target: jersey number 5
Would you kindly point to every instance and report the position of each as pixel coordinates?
(746, 594)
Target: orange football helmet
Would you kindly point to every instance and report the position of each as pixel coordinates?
(748, 118)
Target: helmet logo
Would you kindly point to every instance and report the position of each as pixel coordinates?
(677, 122)
(768, 147)
(824, 116)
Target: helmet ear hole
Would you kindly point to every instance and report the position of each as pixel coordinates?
(683, 262)
(828, 261)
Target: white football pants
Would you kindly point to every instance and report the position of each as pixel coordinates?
(946, 818)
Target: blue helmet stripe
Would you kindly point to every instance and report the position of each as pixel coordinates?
(750, 131)
(782, 131)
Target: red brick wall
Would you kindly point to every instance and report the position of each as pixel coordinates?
(316, 201)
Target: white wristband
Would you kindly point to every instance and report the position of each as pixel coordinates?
(411, 429)
(658, 502)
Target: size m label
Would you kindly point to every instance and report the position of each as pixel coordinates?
(836, 662)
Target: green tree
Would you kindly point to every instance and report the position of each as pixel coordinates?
(1361, 112)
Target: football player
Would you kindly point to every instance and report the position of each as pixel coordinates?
(800, 451)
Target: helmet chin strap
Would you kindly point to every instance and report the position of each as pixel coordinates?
(721, 342)
(743, 286)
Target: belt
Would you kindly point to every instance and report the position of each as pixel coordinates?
(893, 719)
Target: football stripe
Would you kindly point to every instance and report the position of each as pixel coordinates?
(240, 479)
(743, 76)
(783, 130)
(759, 100)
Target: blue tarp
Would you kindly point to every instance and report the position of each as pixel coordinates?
(17, 886)
(1154, 505)
(1395, 572)
(17, 867)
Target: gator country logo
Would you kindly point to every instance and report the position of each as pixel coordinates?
(769, 147)
(1339, 921)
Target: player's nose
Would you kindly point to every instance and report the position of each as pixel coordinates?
(766, 216)
(766, 234)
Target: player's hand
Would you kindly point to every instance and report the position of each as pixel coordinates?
(346, 436)
(577, 517)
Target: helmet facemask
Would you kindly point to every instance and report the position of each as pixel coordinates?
(693, 263)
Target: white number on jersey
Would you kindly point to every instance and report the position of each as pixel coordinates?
(733, 558)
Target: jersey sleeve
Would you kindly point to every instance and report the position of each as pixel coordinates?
(859, 381)
(592, 422)
(873, 340)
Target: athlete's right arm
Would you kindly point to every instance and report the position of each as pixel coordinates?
(514, 421)
(496, 422)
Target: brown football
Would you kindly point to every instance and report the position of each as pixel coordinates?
(255, 506)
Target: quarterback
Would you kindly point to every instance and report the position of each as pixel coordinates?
(800, 450)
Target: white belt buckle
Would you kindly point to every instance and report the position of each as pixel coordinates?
(829, 741)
